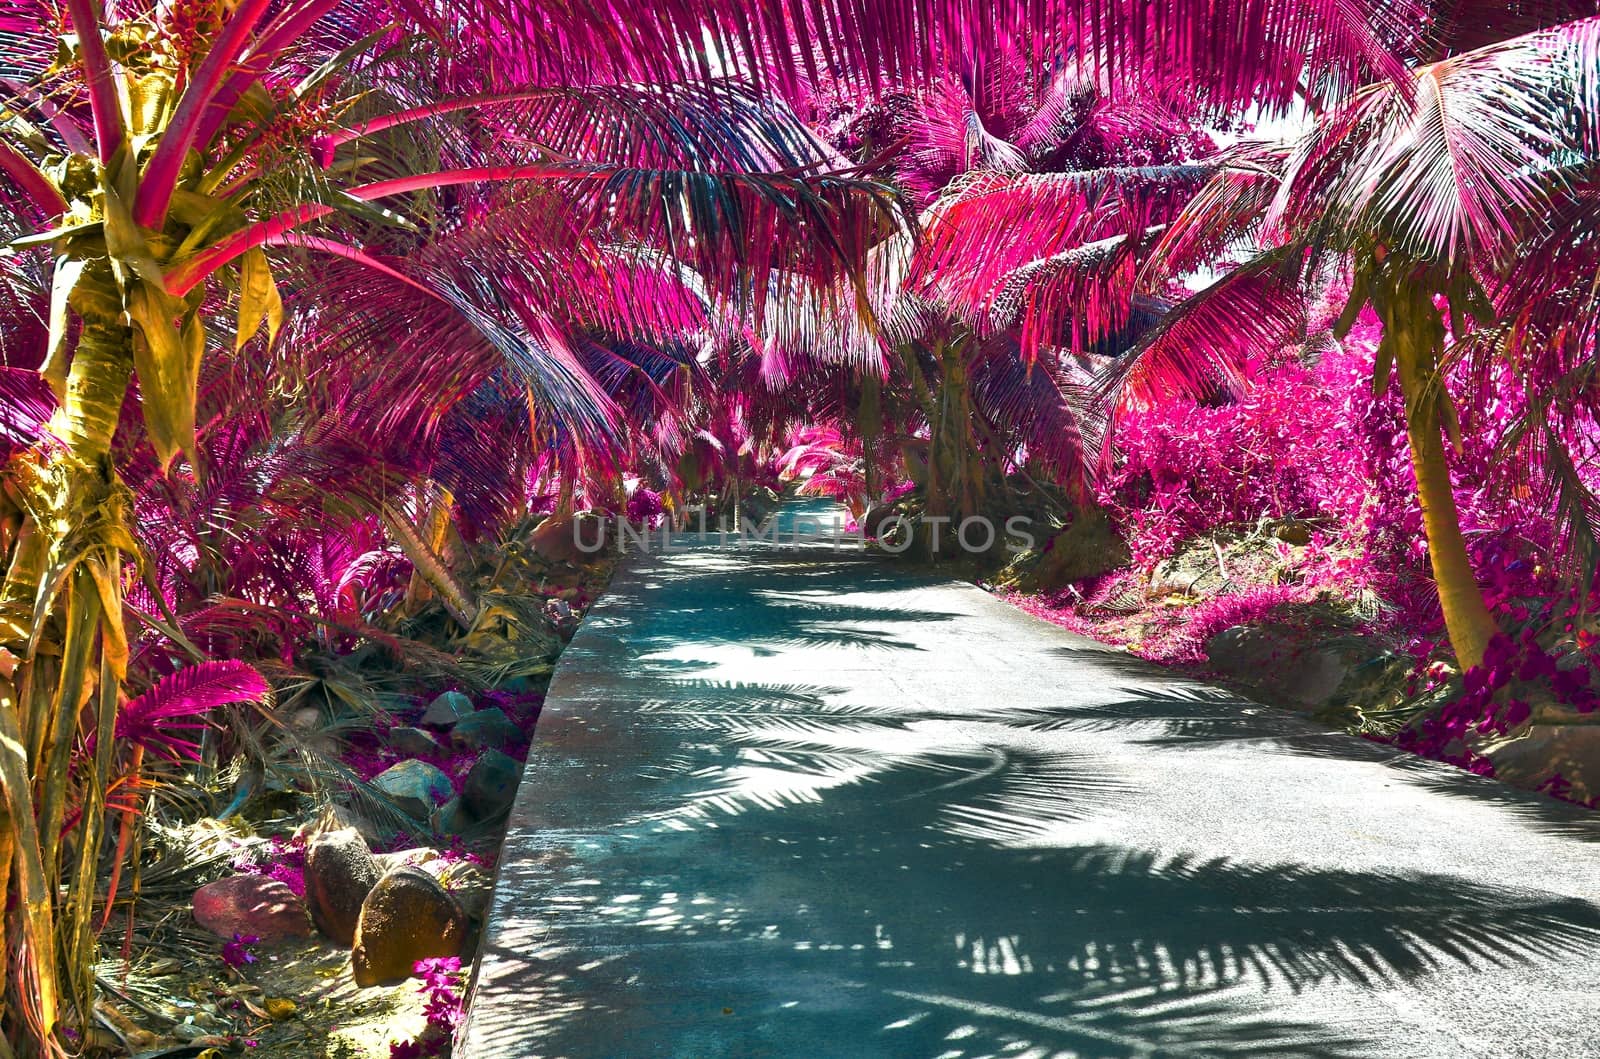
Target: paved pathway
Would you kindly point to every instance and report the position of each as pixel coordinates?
(793, 803)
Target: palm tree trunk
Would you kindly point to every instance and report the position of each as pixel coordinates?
(869, 426)
(1466, 617)
(457, 599)
(71, 539)
(418, 591)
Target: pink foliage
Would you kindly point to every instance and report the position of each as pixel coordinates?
(282, 860)
(1316, 443)
(1285, 450)
(183, 702)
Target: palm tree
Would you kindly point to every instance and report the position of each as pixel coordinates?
(151, 170)
(1044, 189)
(1451, 197)
(171, 167)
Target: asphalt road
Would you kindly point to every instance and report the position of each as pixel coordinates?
(793, 802)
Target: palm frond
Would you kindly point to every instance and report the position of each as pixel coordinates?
(1458, 170)
(1206, 344)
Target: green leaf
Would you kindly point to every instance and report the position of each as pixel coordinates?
(69, 271)
(53, 235)
(148, 101)
(125, 241)
(34, 904)
(162, 362)
(208, 219)
(258, 299)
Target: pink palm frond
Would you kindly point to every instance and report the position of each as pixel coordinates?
(183, 701)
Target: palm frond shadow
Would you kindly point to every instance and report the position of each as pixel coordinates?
(1113, 1021)
(1112, 662)
(772, 619)
(1132, 954)
(1197, 716)
(1539, 812)
(764, 864)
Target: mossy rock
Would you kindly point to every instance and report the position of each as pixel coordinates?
(1087, 547)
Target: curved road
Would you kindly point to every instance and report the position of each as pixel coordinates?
(791, 802)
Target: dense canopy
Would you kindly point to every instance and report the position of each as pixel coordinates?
(318, 318)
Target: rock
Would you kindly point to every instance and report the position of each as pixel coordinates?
(483, 729)
(447, 709)
(412, 742)
(453, 818)
(1293, 531)
(1088, 547)
(1562, 759)
(1280, 663)
(251, 905)
(415, 786)
(1167, 578)
(491, 784)
(407, 917)
(573, 539)
(340, 872)
(424, 857)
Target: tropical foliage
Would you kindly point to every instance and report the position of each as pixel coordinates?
(317, 315)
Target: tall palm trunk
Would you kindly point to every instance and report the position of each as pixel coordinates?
(426, 562)
(61, 613)
(955, 465)
(1415, 330)
(418, 591)
(869, 427)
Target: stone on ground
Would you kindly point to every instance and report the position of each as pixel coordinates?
(452, 818)
(483, 729)
(447, 709)
(251, 905)
(415, 787)
(408, 916)
(340, 873)
(491, 784)
(412, 742)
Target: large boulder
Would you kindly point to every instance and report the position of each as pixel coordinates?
(252, 905)
(1281, 662)
(447, 709)
(572, 539)
(414, 786)
(1316, 664)
(1088, 547)
(407, 917)
(484, 729)
(491, 785)
(1562, 759)
(453, 818)
(340, 873)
